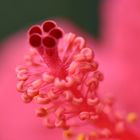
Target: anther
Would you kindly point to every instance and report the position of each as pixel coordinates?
(59, 83)
(69, 81)
(88, 53)
(131, 117)
(19, 68)
(77, 101)
(59, 112)
(37, 83)
(42, 100)
(73, 67)
(79, 42)
(52, 95)
(41, 112)
(84, 115)
(60, 123)
(81, 137)
(47, 77)
(79, 57)
(20, 85)
(94, 117)
(92, 102)
(22, 74)
(26, 98)
(98, 75)
(94, 66)
(68, 95)
(68, 133)
(92, 83)
(32, 92)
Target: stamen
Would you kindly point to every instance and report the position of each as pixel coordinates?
(81, 137)
(42, 100)
(92, 102)
(77, 101)
(68, 95)
(47, 77)
(84, 115)
(88, 53)
(41, 112)
(37, 83)
(68, 134)
(26, 98)
(22, 75)
(59, 112)
(32, 92)
(20, 86)
(132, 117)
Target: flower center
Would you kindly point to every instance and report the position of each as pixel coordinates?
(62, 76)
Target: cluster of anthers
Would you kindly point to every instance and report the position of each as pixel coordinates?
(61, 75)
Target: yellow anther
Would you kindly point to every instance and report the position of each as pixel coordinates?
(131, 117)
(68, 134)
(81, 137)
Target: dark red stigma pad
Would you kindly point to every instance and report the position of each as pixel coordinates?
(48, 25)
(49, 41)
(57, 33)
(35, 40)
(35, 29)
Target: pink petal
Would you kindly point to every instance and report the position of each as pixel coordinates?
(17, 119)
(121, 65)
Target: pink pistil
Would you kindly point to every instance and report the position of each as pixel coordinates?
(61, 75)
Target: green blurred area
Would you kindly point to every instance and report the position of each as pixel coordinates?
(18, 14)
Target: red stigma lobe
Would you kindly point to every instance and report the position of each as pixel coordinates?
(35, 40)
(57, 33)
(45, 39)
(48, 25)
(49, 41)
(35, 29)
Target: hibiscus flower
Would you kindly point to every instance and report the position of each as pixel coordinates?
(117, 60)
